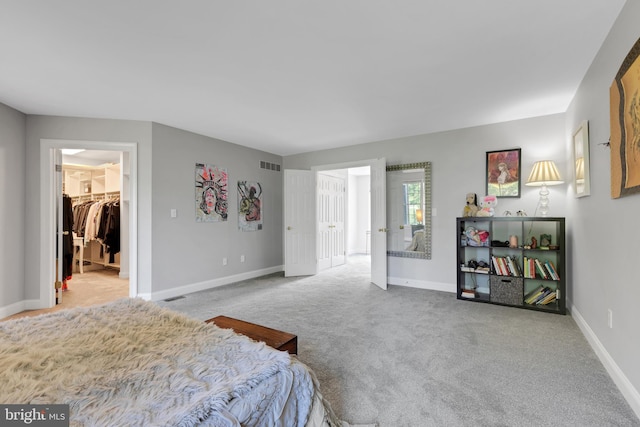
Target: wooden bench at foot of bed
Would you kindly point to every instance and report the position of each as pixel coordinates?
(279, 340)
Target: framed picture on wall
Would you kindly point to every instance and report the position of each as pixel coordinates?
(503, 173)
(625, 126)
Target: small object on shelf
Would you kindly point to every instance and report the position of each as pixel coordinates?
(468, 293)
(513, 241)
(488, 205)
(545, 240)
(471, 208)
(477, 237)
(534, 243)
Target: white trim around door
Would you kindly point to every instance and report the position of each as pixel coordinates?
(48, 196)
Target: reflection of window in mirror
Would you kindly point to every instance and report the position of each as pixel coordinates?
(409, 210)
(412, 202)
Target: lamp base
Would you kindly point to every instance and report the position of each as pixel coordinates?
(544, 200)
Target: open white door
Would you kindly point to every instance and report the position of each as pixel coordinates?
(299, 223)
(57, 155)
(379, 223)
(331, 195)
(338, 210)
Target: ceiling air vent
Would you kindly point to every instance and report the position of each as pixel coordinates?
(269, 166)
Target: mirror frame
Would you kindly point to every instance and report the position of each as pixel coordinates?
(426, 216)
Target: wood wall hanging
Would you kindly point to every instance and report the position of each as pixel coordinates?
(625, 126)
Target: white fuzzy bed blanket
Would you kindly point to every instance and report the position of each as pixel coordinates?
(130, 363)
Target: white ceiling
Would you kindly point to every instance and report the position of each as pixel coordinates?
(291, 76)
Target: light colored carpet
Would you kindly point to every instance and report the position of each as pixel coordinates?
(412, 357)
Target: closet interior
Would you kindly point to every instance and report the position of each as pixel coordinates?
(95, 199)
(94, 187)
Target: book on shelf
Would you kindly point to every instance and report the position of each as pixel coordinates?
(482, 270)
(514, 266)
(468, 293)
(551, 297)
(541, 269)
(533, 295)
(504, 270)
(532, 268)
(496, 267)
(552, 270)
(506, 266)
(542, 295)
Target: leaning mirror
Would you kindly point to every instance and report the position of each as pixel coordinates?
(409, 210)
(582, 182)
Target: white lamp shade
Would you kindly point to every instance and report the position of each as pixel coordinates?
(544, 172)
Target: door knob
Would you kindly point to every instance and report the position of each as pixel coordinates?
(289, 228)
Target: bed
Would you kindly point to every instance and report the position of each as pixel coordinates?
(134, 363)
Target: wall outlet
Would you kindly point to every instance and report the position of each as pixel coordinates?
(241, 258)
(610, 318)
(224, 261)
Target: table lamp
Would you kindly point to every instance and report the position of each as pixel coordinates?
(544, 173)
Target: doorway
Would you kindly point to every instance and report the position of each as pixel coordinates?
(366, 209)
(91, 181)
(52, 172)
(300, 225)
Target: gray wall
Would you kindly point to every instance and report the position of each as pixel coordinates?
(185, 252)
(175, 255)
(12, 205)
(605, 235)
(458, 164)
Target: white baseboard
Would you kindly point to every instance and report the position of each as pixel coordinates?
(17, 307)
(209, 284)
(422, 284)
(619, 378)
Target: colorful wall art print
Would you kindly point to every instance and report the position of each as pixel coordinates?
(249, 206)
(503, 173)
(211, 193)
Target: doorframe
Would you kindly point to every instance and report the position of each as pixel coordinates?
(347, 165)
(48, 195)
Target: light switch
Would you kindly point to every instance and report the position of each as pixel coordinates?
(174, 213)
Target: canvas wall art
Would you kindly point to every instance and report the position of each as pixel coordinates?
(249, 206)
(211, 193)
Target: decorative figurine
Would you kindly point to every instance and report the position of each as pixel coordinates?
(488, 204)
(534, 243)
(471, 208)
